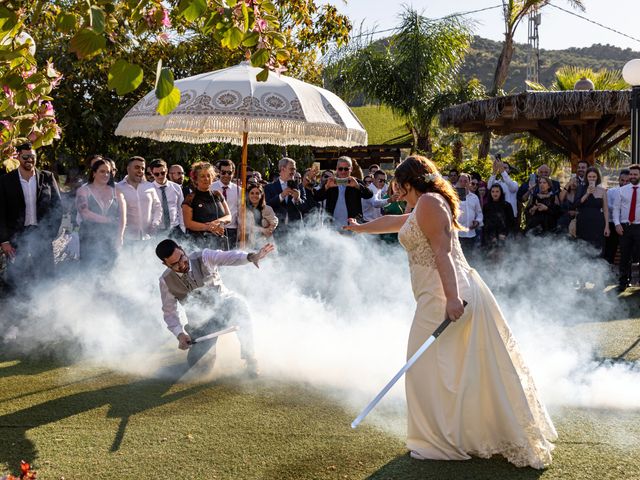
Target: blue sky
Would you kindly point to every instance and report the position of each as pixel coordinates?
(558, 29)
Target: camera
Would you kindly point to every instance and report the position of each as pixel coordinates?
(462, 193)
(342, 181)
(292, 184)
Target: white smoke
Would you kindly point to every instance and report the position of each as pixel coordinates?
(335, 312)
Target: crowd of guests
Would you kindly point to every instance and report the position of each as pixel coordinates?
(498, 209)
(156, 200)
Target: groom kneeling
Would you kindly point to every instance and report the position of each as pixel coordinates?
(195, 282)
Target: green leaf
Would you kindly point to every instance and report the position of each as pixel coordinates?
(283, 55)
(232, 38)
(250, 39)
(97, 19)
(66, 22)
(164, 83)
(168, 103)
(232, 3)
(87, 43)
(263, 75)
(124, 77)
(192, 9)
(8, 20)
(279, 40)
(268, 7)
(245, 14)
(260, 57)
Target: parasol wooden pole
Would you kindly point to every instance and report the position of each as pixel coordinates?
(243, 171)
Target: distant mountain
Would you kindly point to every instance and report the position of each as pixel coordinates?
(482, 58)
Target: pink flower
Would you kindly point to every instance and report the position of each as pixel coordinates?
(33, 136)
(163, 38)
(6, 124)
(31, 86)
(47, 109)
(7, 91)
(166, 21)
(260, 25)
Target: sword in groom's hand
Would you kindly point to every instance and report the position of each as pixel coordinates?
(403, 370)
(213, 335)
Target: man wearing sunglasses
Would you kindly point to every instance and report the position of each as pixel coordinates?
(30, 218)
(343, 194)
(193, 280)
(231, 192)
(171, 199)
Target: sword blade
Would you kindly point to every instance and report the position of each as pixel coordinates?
(402, 371)
(214, 334)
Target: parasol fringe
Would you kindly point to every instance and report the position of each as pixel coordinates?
(229, 129)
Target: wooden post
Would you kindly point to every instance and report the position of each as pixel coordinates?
(242, 227)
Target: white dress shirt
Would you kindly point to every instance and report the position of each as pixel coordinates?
(371, 206)
(612, 196)
(30, 191)
(232, 196)
(623, 204)
(510, 188)
(470, 211)
(211, 260)
(144, 210)
(175, 198)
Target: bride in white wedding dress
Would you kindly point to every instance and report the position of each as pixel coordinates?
(471, 393)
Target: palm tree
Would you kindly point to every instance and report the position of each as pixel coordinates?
(566, 78)
(415, 73)
(514, 11)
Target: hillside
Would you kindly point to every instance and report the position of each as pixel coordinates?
(483, 57)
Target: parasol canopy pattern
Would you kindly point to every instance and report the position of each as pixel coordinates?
(220, 106)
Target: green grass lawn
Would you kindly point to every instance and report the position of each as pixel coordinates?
(382, 126)
(79, 422)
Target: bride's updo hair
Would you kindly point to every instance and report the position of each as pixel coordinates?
(422, 174)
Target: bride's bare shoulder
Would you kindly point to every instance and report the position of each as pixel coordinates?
(432, 201)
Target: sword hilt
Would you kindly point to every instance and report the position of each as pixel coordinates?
(445, 324)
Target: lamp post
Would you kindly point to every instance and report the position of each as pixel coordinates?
(631, 75)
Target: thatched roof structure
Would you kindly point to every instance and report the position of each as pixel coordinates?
(580, 124)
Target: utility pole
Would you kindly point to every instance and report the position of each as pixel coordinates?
(533, 54)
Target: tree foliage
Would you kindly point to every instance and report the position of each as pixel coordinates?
(114, 40)
(568, 76)
(414, 74)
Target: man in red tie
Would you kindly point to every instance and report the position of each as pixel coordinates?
(626, 217)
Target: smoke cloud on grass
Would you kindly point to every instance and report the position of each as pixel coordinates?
(334, 313)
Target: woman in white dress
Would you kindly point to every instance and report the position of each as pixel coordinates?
(470, 394)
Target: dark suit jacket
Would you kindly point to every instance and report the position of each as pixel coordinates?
(12, 206)
(272, 193)
(352, 196)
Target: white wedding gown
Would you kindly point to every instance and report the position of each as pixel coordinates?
(470, 394)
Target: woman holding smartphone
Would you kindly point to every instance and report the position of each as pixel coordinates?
(592, 223)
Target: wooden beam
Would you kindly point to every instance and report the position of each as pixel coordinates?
(477, 126)
(558, 136)
(571, 120)
(549, 141)
(592, 115)
(612, 143)
(596, 143)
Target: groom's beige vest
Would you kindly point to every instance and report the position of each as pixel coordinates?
(199, 274)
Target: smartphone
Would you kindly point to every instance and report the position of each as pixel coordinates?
(592, 184)
(532, 180)
(462, 193)
(341, 181)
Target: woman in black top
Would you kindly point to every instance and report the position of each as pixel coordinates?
(543, 208)
(206, 212)
(498, 218)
